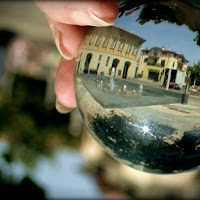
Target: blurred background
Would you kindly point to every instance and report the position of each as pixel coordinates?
(48, 154)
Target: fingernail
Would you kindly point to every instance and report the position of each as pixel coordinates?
(62, 109)
(99, 21)
(57, 37)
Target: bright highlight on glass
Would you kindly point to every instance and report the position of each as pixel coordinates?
(145, 129)
(134, 86)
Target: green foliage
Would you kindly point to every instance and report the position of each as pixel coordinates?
(165, 10)
(195, 73)
(29, 127)
(157, 13)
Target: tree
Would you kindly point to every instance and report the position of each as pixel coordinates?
(195, 73)
(174, 11)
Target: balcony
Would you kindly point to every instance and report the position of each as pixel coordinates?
(155, 64)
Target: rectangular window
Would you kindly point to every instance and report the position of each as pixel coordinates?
(98, 66)
(107, 61)
(92, 39)
(162, 63)
(121, 46)
(135, 50)
(155, 53)
(114, 43)
(98, 41)
(173, 64)
(129, 47)
(145, 60)
(100, 57)
(105, 43)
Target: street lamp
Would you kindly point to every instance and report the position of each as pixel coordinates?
(185, 95)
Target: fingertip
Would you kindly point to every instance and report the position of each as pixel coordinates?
(92, 13)
(68, 38)
(64, 84)
(62, 109)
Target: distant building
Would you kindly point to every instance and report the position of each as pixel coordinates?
(108, 47)
(155, 63)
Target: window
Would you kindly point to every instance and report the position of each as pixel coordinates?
(155, 53)
(87, 62)
(114, 43)
(135, 50)
(107, 61)
(100, 57)
(86, 39)
(173, 64)
(162, 63)
(145, 60)
(98, 41)
(79, 56)
(98, 66)
(121, 46)
(92, 39)
(105, 43)
(129, 47)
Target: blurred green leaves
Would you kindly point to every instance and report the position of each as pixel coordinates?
(31, 129)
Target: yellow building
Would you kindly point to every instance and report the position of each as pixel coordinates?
(155, 62)
(108, 47)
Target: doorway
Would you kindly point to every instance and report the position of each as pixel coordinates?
(87, 63)
(126, 67)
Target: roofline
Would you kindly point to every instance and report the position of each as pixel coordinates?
(180, 55)
(143, 40)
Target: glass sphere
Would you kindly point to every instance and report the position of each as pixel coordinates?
(136, 85)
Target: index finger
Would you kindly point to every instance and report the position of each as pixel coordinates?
(93, 13)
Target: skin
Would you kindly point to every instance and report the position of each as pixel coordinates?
(69, 22)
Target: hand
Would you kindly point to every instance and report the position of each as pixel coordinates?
(69, 22)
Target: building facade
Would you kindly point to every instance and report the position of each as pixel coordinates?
(155, 63)
(108, 47)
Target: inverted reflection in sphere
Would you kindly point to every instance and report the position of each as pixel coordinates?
(132, 86)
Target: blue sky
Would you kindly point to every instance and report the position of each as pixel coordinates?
(173, 37)
(61, 176)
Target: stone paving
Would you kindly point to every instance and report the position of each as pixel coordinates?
(148, 104)
(157, 138)
(126, 94)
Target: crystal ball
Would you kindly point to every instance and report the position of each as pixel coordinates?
(137, 85)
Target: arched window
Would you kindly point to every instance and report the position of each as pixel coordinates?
(98, 41)
(87, 39)
(126, 67)
(107, 61)
(129, 47)
(114, 43)
(114, 64)
(92, 39)
(105, 43)
(121, 46)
